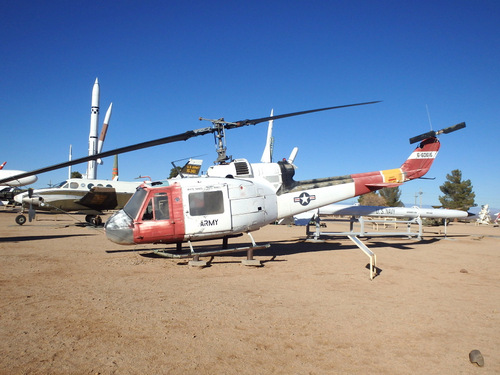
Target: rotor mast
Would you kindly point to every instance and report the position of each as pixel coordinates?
(219, 130)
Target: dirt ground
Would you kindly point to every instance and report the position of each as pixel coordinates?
(74, 303)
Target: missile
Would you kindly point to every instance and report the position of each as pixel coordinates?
(410, 212)
(94, 120)
(267, 155)
(70, 157)
(114, 173)
(104, 130)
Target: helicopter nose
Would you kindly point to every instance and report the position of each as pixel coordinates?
(119, 228)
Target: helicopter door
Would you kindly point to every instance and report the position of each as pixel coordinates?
(161, 220)
(208, 210)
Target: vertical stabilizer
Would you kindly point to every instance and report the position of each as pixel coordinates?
(421, 159)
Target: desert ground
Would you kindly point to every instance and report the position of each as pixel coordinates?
(74, 303)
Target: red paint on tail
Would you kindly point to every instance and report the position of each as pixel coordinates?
(421, 159)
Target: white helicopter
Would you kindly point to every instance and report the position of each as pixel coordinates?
(236, 197)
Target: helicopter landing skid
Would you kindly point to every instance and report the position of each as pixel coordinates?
(196, 262)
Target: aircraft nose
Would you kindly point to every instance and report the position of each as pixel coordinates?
(120, 229)
(19, 197)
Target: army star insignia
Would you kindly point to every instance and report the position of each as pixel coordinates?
(304, 198)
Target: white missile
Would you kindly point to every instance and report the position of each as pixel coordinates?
(104, 130)
(267, 155)
(409, 212)
(94, 120)
(70, 157)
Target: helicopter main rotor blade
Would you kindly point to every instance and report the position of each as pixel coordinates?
(264, 119)
(170, 139)
(174, 138)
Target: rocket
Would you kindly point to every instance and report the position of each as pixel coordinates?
(267, 155)
(94, 120)
(104, 130)
(410, 212)
(114, 173)
(69, 159)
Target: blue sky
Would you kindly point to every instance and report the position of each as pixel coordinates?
(163, 64)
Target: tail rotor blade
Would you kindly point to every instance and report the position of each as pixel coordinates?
(453, 128)
(421, 137)
(433, 133)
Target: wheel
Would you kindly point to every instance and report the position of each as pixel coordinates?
(97, 221)
(89, 219)
(20, 219)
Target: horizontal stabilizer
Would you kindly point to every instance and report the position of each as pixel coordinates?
(384, 185)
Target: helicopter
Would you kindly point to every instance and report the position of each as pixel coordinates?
(236, 197)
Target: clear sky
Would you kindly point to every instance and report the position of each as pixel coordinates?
(163, 64)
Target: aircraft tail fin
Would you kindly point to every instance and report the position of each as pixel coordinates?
(421, 159)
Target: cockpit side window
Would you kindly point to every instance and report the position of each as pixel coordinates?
(161, 206)
(73, 185)
(148, 212)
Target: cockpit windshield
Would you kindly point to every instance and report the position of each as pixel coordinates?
(61, 184)
(134, 204)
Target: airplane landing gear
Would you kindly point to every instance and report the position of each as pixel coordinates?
(93, 219)
(20, 219)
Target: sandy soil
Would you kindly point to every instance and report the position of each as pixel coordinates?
(73, 302)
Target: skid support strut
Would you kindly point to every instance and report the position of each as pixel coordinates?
(196, 262)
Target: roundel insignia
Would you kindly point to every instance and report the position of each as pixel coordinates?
(304, 198)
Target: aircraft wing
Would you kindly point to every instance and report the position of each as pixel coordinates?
(99, 198)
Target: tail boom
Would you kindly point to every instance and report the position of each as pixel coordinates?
(300, 196)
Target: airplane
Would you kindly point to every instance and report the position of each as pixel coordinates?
(86, 196)
(236, 197)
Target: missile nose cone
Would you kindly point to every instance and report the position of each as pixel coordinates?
(469, 214)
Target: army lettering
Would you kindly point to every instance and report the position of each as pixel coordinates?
(208, 223)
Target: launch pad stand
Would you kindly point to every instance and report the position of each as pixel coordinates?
(354, 236)
(362, 230)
